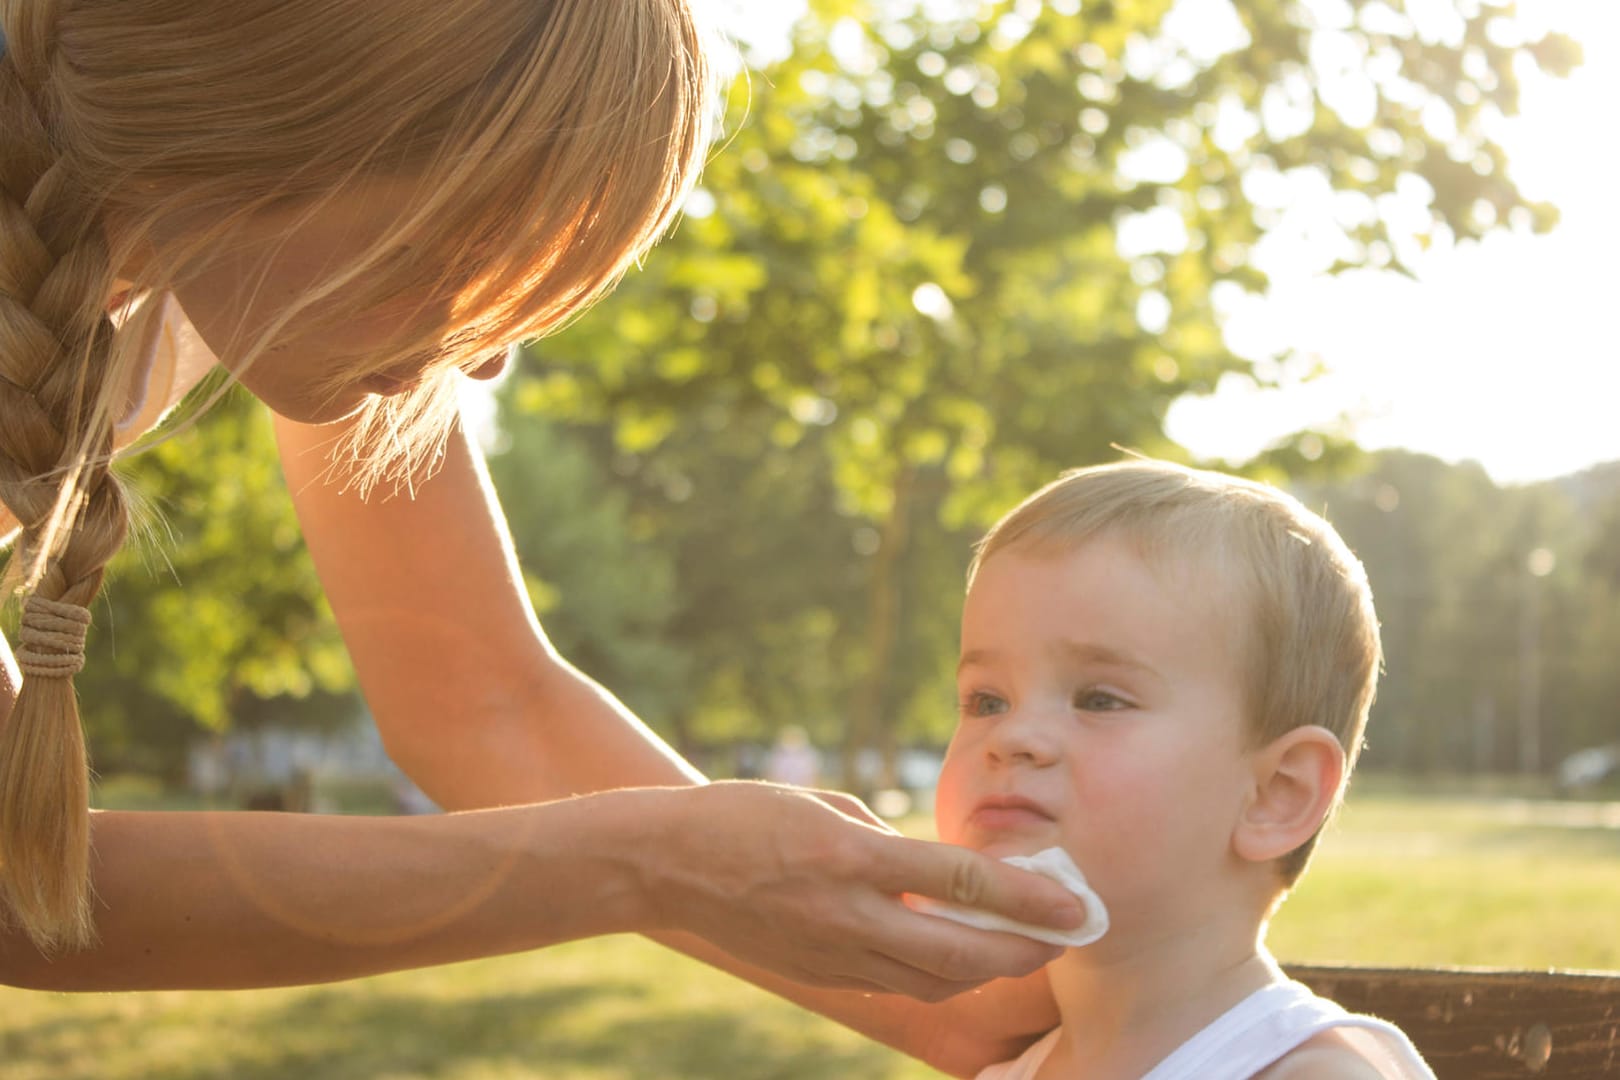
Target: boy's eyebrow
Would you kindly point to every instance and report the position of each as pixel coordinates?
(1083, 651)
(974, 656)
(1095, 653)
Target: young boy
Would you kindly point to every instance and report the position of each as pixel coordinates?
(1165, 673)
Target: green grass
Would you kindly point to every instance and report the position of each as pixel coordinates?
(1398, 880)
(612, 1009)
(1404, 880)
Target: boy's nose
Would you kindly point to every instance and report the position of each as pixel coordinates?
(1023, 737)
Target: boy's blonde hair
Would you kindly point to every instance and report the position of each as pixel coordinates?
(547, 144)
(1311, 648)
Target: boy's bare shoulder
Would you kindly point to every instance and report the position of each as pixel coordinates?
(1340, 1054)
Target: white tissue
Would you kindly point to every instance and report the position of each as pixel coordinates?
(1054, 863)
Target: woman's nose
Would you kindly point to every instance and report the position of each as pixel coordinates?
(490, 368)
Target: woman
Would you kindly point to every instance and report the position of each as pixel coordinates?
(350, 204)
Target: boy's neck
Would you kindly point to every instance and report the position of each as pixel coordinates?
(1128, 1005)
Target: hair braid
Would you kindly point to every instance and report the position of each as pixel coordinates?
(56, 357)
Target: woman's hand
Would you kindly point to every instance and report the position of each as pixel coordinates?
(808, 884)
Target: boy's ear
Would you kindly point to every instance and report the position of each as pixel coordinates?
(1296, 780)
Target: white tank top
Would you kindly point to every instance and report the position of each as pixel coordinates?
(1256, 1032)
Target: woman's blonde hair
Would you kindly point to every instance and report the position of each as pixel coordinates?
(546, 145)
(1302, 611)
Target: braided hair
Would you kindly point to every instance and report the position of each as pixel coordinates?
(55, 441)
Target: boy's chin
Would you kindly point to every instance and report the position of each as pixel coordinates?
(997, 845)
(1002, 847)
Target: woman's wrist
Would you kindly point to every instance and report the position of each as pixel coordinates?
(647, 840)
(608, 856)
(630, 827)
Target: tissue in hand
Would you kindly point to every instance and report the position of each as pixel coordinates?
(1054, 863)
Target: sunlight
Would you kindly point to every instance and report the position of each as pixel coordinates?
(1497, 353)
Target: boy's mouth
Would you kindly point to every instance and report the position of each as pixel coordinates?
(996, 813)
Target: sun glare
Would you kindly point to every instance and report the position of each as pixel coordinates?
(1499, 352)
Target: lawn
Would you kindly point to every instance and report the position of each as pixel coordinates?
(1471, 881)
(1399, 880)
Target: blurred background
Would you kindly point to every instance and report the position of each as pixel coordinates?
(944, 251)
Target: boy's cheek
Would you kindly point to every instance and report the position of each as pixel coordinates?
(949, 799)
(1116, 811)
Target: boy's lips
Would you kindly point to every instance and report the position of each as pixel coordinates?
(1007, 811)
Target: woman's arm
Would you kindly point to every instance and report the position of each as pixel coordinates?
(477, 707)
(229, 900)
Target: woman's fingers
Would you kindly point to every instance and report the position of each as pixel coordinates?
(937, 959)
(962, 876)
(808, 885)
(882, 974)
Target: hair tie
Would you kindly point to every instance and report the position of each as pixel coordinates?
(51, 641)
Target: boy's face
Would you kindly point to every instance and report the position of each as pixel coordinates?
(1102, 711)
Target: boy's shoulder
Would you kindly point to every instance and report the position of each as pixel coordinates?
(1342, 1054)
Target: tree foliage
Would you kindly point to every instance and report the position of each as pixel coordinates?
(941, 258)
(1499, 637)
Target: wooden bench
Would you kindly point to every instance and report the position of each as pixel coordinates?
(1484, 1025)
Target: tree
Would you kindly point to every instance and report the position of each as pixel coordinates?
(944, 258)
(1498, 627)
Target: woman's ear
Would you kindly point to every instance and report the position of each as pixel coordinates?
(1296, 781)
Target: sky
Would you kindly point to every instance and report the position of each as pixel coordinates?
(1499, 353)
(1493, 354)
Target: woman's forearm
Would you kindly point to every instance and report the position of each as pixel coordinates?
(556, 735)
(228, 900)
(454, 665)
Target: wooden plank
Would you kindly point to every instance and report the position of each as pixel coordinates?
(1483, 1025)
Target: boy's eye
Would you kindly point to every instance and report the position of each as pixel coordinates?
(1094, 700)
(979, 703)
